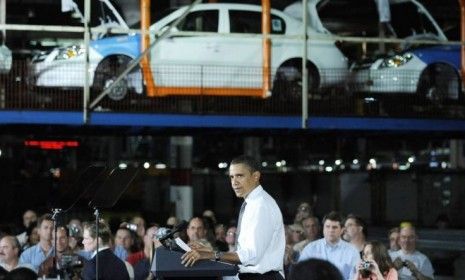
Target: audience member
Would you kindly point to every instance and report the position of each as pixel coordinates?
(75, 235)
(393, 236)
(410, 263)
(47, 267)
(332, 248)
(9, 253)
(231, 238)
(140, 225)
(171, 222)
(124, 240)
(303, 211)
(142, 260)
(311, 227)
(196, 232)
(376, 264)
(220, 238)
(29, 222)
(315, 269)
(355, 231)
(37, 254)
(110, 267)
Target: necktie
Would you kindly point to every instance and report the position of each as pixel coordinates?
(241, 212)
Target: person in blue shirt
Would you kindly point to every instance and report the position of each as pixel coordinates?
(332, 248)
(38, 253)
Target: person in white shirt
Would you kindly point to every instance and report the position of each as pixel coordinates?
(260, 231)
(410, 263)
(332, 248)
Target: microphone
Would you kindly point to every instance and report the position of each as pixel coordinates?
(179, 227)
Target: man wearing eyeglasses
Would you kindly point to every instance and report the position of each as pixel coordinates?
(410, 263)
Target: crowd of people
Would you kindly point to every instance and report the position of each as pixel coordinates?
(258, 242)
(340, 241)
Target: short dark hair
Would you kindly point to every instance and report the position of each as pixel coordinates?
(334, 216)
(250, 162)
(104, 231)
(45, 217)
(359, 221)
(315, 269)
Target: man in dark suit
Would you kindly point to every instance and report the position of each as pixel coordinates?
(110, 267)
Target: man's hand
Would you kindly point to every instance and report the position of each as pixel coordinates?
(398, 263)
(190, 258)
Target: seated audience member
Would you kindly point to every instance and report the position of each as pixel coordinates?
(311, 227)
(393, 237)
(220, 238)
(142, 260)
(171, 222)
(21, 273)
(140, 225)
(303, 211)
(62, 248)
(231, 238)
(37, 254)
(124, 240)
(315, 269)
(355, 231)
(410, 263)
(332, 248)
(29, 222)
(196, 232)
(110, 266)
(376, 263)
(9, 253)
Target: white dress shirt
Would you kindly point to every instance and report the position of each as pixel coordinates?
(261, 240)
(342, 254)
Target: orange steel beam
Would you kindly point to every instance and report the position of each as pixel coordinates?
(211, 91)
(462, 39)
(145, 43)
(266, 48)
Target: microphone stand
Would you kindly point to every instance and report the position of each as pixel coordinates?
(56, 212)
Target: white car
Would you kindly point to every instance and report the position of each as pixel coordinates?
(208, 57)
(431, 73)
(6, 59)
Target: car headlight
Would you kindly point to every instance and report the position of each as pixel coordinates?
(69, 52)
(396, 61)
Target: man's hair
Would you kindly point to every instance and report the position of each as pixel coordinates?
(335, 217)
(360, 222)
(201, 219)
(380, 255)
(315, 269)
(250, 162)
(13, 241)
(103, 231)
(45, 217)
(392, 230)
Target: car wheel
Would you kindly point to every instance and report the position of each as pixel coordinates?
(439, 83)
(288, 83)
(106, 74)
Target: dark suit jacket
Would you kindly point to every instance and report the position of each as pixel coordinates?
(110, 267)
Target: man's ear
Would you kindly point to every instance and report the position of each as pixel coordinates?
(256, 175)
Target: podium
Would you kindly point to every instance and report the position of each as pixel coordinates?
(167, 263)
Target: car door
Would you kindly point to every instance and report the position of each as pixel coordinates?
(242, 55)
(179, 60)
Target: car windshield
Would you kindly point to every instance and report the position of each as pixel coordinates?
(360, 18)
(408, 20)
